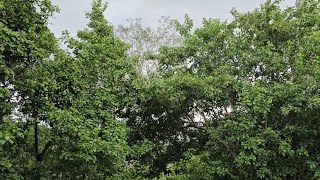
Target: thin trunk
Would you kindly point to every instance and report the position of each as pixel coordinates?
(36, 143)
(36, 151)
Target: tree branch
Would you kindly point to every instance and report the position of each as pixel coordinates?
(45, 149)
(229, 148)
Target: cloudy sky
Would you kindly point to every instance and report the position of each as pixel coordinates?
(72, 15)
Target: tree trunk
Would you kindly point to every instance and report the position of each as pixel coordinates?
(36, 151)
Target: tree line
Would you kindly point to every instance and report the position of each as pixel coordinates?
(235, 99)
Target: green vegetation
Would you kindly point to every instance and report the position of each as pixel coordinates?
(228, 100)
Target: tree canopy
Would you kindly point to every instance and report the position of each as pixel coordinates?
(235, 99)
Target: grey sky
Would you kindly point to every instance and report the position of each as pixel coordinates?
(72, 15)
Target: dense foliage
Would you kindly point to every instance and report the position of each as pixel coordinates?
(228, 100)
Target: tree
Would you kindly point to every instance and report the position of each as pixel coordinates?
(145, 41)
(68, 126)
(268, 129)
(148, 40)
(25, 42)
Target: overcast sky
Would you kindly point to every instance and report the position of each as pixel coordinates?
(72, 15)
